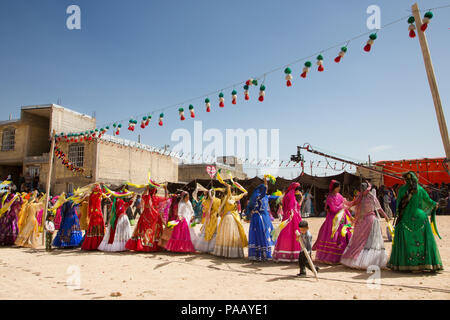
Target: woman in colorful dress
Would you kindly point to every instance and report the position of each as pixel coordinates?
(118, 231)
(96, 229)
(259, 235)
(148, 231)
(8, 222)
(69, 234)
(366, 246)
(287, 248)
(180, 240)
(231, 238)
(84, 218)
(206, 241)
(28, 236)
(414, 247)
(328, 246)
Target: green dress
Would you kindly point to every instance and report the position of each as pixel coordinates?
(414, 247)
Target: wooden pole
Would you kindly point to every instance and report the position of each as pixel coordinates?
(432, 81)
(49, 179)
(308, 257)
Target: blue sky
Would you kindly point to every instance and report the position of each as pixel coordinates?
(132, 57)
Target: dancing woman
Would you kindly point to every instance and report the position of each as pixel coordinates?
(28, 235)
(414, 247)
(118, 231)
(366, 246)
(259, 235)
(328, 246)
(96, 229)
(148, 231)
(206, 241)
(180, 240)
(287, 247)
(69, 235)
(231, 238)
(8, 222)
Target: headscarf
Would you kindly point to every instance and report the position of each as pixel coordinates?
(332, 185)
(289, 200)
(254, 201)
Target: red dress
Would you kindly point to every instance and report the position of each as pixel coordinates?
(148, 231)
(96, 229)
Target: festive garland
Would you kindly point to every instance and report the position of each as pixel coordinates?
(65, 162)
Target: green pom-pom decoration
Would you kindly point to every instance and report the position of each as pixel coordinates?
(107, 128)
(96, 130)
(180, 109)
(246, 87)
(144, 118)
(428, 15)
(233, 92)
(255, 82)
(308, 64)
(62, 133)
(373, 36)
(149, 117)
(319, 57)
(191, 107)
(411, 20)
(114, 125)
(287, 70)
(221, 95)
(262, 88)
(102, 129)
(161, 115)
(92, 131)
(344, 49)
(207, 100)
(120, 126)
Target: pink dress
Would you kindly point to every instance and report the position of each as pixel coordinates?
(181, 241)
(287, 247)
(329, 249)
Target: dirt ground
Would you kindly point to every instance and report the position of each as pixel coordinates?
(37, 274)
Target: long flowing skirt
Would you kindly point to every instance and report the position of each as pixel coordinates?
(259, 239)
(366, 246)
(329, 249)
(199, 242)
(228, 239)
(57, 220)
(414, 247)
(121, 236)
(287, 247)
(147, 233)
(8, 229)
(28, 235)
(95, 232)
(180, 241)
(69, 234)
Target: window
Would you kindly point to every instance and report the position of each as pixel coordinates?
(8, 139)
(33, 171)
(76, 154)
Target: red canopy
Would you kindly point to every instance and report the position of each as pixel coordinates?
(429, 171)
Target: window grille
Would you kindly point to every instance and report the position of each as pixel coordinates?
(76, 154)
(8, 139)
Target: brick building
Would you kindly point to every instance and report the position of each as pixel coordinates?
(25, 146)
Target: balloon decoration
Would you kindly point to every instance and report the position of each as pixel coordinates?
(340, 55)
(426, 20)
(412, 27)
(65, 162)
(262, 92)
(208, 105)
(308, 65)
(288, 77)
(233, 97)
(320, 63)
(191, 110)
(370, 42)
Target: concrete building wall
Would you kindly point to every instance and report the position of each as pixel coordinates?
(118, 163)
(67, 121)
(189, 172)
(21, 142)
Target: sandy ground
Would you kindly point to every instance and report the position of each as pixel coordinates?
(37, 274)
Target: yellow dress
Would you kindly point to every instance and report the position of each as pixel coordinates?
(84, 217)
(29, 233)
(211, 226)
(231, 238)
(21, 216)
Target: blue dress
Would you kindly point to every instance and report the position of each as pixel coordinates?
(69, 233)
(260, 239)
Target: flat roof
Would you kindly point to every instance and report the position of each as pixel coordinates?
(48, 106)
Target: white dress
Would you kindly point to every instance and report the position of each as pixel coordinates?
(122, 235)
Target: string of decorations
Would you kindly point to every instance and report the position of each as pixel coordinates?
(252, 82)
(65, 161)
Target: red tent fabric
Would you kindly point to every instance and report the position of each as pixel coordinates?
(429, 171)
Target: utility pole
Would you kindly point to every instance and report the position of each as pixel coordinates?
(432, 81)
(49, 180)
